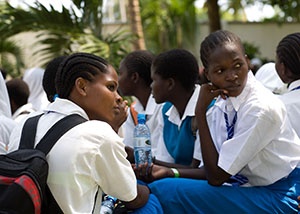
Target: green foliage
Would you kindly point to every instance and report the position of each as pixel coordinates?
(65, 32)
(11, 58)
(168, 24)
(290, 10)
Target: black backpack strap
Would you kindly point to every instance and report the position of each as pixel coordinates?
(46, 144)
(29, 132)
(57, 130)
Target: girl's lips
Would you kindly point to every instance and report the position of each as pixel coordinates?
(117, 109)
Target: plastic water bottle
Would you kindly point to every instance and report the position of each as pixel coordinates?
(142, 142)
(108, 205)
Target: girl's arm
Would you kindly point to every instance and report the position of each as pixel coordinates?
(214, 174)
(156, 172)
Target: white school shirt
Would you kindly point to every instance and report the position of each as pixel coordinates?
(174, 117)
(22, 112)
(6, 123)
(6, 127)
(268, 76)
(264, 148)
(292, 104)
(88, 158)
(152, 110)
(5, 109)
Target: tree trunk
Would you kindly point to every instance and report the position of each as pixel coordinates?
(213, 11)
(136, 24)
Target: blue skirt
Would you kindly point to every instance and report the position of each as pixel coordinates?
(180, 195)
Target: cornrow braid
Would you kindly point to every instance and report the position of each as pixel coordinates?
(288, 52)
(83, 65)
(217, 39)
(140, 61)
(49, 77)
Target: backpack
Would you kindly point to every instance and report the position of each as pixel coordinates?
(23, 173)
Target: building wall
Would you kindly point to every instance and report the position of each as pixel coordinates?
(264, 35)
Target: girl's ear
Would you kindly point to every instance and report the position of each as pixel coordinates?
(81, 85)
(171, 83)
(134, 77)
(202, 76)
(206, 75)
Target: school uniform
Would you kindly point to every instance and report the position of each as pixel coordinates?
(177, 137)
(152, 110)
(292, 104)
(22, 112)
(86, 161)
(264, 149)
(6, 123)
(268, 76)
(6, 127)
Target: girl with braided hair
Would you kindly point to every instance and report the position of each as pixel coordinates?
(288, 68)
(90, 158)
(250, 152)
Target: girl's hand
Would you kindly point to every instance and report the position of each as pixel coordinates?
(149, 174)
(207, 93)
(121, 116)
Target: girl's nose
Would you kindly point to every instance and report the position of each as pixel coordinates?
(119, 98)
(232, 75)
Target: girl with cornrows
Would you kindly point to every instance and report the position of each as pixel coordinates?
(249, 150)
(90, 158)
(288, 68)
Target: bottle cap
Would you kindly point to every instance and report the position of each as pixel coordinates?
(141, 117)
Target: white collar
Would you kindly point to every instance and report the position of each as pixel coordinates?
(294, 85)
(65, 107)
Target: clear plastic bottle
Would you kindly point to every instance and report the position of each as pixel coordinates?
(108, 205)
(142, 142)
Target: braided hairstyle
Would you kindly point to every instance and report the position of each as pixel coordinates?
(49, 77)
(288, 52)
(178, 64)
(140, 61)
(215, 40)
(76, 65)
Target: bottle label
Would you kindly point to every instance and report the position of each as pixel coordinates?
(142, 141)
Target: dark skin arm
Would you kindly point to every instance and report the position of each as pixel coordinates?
(130, 154)
(160, 169)
(156, 172)
(214, 174)
(195, 163)
(141, 198)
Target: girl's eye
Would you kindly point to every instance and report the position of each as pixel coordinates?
(219, 71)
(238, 65)
(111, 87)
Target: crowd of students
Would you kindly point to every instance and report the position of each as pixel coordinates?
(221, 140)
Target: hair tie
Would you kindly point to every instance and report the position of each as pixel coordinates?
(55, 96)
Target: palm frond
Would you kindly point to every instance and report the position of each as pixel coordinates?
(11, 57)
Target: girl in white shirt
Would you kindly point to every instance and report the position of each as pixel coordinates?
(90, 158)
(7, 124)
(288, 68)
(250, 152)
